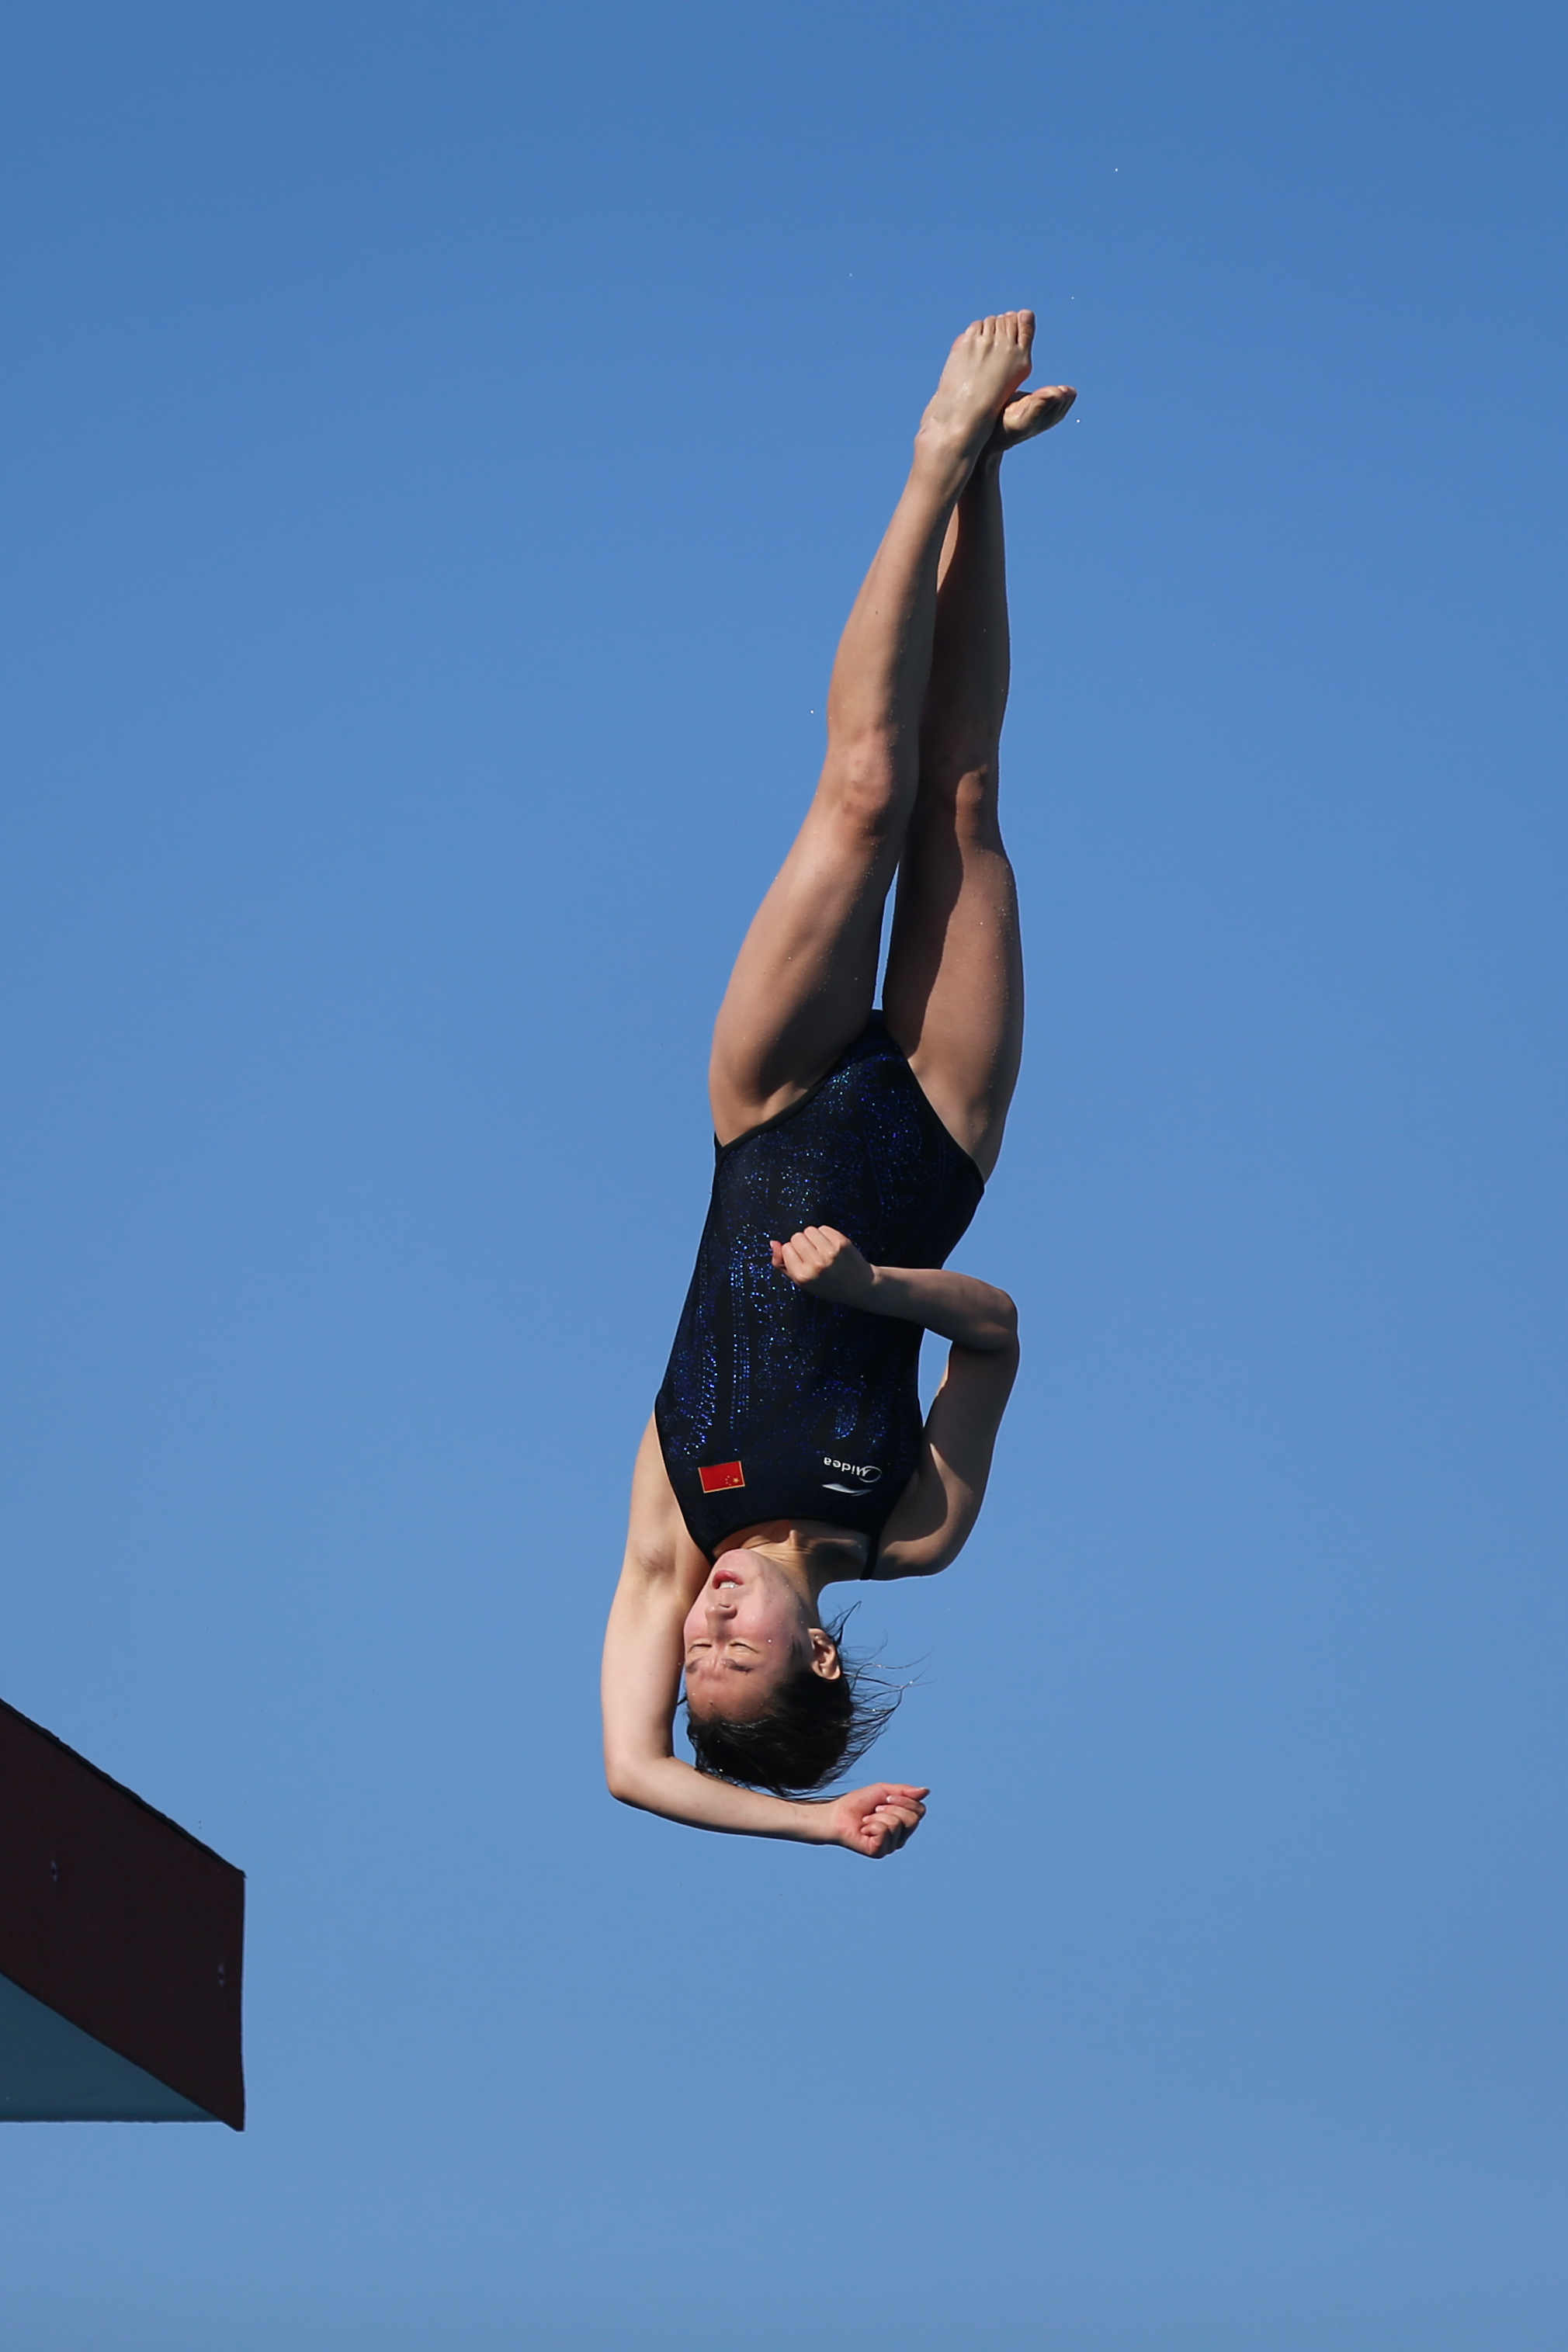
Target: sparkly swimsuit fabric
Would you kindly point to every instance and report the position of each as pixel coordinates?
(776, 1405)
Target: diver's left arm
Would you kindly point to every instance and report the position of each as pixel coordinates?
(642, 1769)
(662, 1574)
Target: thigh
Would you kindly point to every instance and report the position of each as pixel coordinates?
(955, 992)
(805, 978)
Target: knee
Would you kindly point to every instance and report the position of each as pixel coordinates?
(865, 783)
(965, 786)
(960, 736)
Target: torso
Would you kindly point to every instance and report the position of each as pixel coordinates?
(776, 1406)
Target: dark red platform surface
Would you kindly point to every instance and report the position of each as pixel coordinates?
(118, 1919)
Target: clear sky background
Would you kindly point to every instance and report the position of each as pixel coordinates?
(439, 446)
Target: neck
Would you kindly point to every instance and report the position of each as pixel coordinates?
(809, 1553)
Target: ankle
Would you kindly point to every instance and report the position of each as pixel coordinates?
(944, 457)
(987, 468)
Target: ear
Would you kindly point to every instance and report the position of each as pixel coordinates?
(824, 1656)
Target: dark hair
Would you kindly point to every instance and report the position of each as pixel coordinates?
(815, 1728)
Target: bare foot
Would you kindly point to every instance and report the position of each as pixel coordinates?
(1034, 412)
(984, 369)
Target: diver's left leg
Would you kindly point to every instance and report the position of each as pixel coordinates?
(954, 989)
(804, 980)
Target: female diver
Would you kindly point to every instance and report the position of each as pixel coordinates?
(786, 1450)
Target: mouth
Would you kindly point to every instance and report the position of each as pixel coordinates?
(725, 1576)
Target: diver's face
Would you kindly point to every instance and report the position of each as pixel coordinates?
(747, 1632)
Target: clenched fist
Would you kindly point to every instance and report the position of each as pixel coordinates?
(876, 1821)
(827, 1263)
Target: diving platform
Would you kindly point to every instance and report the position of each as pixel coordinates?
(121, 1944)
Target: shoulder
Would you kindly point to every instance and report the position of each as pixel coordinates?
(934, 1516)
(917, 1539)
(661, 1560)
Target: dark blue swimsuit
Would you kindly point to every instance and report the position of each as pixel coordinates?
(776, 1405)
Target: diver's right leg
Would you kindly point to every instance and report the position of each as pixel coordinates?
(954, 991)
(802, 983)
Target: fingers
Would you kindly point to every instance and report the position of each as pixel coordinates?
(878, 1820)
(889, 1828)
(811, 1253)
(795, 1259)
(892, 1819)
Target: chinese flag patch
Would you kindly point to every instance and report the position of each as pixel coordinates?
(719, 1474)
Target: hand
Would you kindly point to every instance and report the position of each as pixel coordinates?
(827, 1263)
(876, 1821)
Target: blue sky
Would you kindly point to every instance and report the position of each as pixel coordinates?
(440, 444)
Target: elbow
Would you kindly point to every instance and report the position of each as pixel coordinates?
(1006, 1326)
(623, 1781)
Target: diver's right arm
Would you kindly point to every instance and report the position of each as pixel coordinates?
(663, 1573)
(972, 1314)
